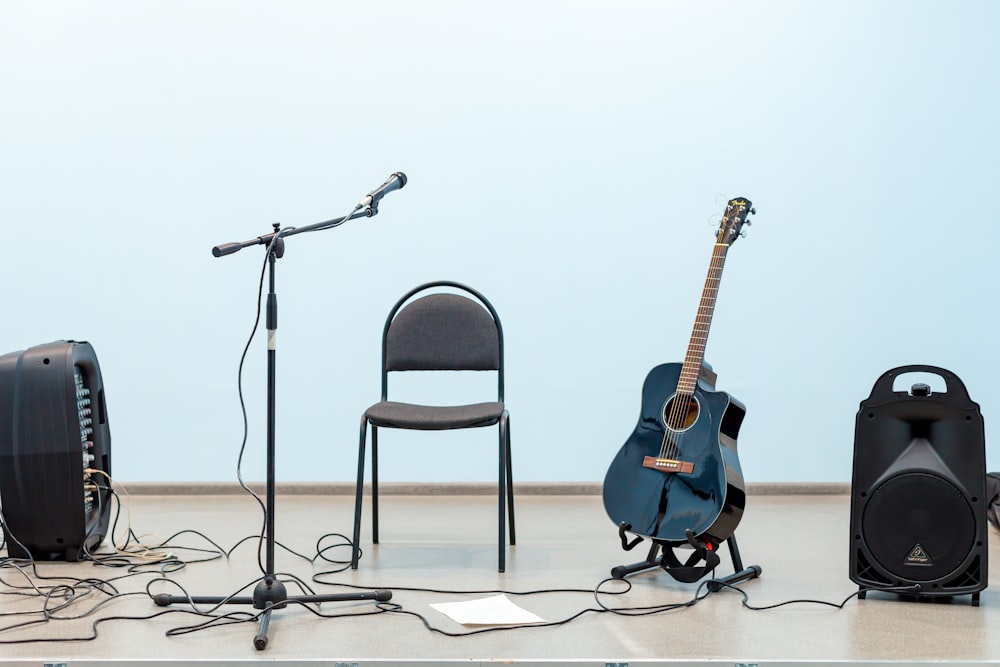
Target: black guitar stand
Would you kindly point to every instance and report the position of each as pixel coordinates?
(661, 554)
(270, 593)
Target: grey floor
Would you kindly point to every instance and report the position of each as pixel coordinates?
(565, 541)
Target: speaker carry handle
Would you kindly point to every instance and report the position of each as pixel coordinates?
(955, 391)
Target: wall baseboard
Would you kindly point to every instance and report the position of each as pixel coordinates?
(449, 489)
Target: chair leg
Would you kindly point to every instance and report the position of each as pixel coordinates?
(356, 548)
(510, 489)
(502, 495)
(374, 484)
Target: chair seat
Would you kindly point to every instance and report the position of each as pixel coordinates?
(433, 418)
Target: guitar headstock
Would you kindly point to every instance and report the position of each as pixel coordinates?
(733, 220)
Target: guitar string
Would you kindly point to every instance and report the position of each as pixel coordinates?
(680, 406)
(670, 447)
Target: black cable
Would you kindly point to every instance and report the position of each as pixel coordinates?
(902, 590)
(168, 562)
(703, 591)
(59, 598)
(276, 543)
(244, 617)
(94, 627)
(239, 384)
(12, 537)
(458, 592)
(243, 406)
(18, 564)
(66, 595)
(601, 609)
(480, 631)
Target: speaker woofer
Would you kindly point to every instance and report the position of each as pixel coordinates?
(918, 526)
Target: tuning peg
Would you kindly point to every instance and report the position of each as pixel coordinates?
(753, 211)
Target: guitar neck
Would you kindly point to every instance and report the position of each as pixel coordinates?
(703, 322)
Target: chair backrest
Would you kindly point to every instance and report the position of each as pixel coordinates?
(442, 331)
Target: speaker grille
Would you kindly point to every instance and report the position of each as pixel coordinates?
(919, 527)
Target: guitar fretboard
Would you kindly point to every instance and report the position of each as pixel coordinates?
(703, 322)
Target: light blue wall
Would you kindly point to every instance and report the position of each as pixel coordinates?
(570, 159)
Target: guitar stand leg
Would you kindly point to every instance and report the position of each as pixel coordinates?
(622, 571)
(740, 573)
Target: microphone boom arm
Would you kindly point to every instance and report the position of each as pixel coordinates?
(230, 248)
(368, 207)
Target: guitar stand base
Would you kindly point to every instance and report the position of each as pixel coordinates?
(661, 554)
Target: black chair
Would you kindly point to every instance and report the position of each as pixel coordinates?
(439, 331)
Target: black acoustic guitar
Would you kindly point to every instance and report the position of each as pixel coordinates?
(679, 470)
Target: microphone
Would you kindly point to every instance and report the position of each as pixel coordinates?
(395, 182)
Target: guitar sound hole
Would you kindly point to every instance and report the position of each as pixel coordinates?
(681, 418)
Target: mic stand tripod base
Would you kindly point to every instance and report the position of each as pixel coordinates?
(270, 594)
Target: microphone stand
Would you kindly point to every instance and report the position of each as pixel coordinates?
(270, 593)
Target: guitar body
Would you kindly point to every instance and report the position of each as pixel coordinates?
(662, 505)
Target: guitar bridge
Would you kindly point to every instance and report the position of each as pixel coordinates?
(667, 465)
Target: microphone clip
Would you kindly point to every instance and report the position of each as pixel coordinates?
(370, 207)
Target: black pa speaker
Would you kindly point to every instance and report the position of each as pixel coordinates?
(55, 451)
(918, 497)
